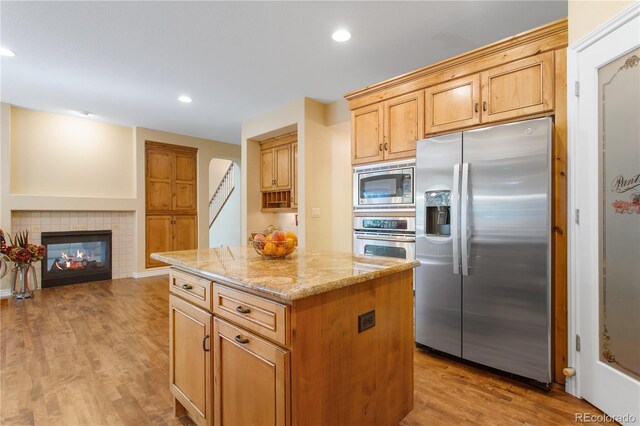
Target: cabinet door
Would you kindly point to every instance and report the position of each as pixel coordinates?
(282, 158)
(158, 238)
(366, 134)
(190, 363)
(294, 173)
(266, 170)
(185, 232)
(403, 125)
(184, 185)
(518, 89)
(453, 105)
(251, 378)
(159, 191)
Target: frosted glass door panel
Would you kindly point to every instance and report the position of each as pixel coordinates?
(619, 113)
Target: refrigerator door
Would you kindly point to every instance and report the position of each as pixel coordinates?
(506, 294)
(438, 288)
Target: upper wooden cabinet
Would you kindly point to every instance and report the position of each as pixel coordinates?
(403, 125)
(184, 183)
(171, 179)
(276, 168)
(518, 88)
(453, 105)
(387, 130)
(366, 134)
(279, 173)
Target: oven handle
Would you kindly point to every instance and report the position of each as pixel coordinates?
(395, 239)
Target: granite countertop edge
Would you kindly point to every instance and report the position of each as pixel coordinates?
(288, 295)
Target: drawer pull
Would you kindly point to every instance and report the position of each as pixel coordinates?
(204, 345)
(187, 286)
(242, 340)
(242, 310)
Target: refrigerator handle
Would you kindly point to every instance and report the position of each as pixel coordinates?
(455, 238)
(464, 218)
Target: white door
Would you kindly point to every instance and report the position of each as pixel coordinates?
(606, 244)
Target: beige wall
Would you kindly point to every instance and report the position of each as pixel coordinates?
(586, 16)
(57, 155)
(281, 120)
(324, 173)
(328, 185)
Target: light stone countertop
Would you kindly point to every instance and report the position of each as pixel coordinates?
(301, 274)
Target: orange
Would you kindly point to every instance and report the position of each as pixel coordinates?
(291, 235)
(290, 243)
(270, 249)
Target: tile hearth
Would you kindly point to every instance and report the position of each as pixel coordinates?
(121, 223)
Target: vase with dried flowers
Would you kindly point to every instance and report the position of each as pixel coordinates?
(23, 255)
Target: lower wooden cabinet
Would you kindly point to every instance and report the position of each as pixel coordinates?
(228, 375)
(231, 362)
(190, 360)
(251, 378)
(169, 233)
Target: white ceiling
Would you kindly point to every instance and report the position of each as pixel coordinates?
(127, 62)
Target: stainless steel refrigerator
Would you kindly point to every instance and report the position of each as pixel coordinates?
(483, 229)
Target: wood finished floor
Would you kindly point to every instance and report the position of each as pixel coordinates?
(97, 354)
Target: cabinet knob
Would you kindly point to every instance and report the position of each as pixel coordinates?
(187, 286)
(380, 147)
(241, 340)
(243, 310)
(475, 108)
(484, 105)
(204, 343)
(386, 146)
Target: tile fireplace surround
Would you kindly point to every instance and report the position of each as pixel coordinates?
(120, 223)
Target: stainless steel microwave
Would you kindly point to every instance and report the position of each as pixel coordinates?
(384, 186)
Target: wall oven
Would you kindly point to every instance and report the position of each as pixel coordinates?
(385, 236)
(384, 187)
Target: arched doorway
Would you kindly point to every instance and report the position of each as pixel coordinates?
(224, 203)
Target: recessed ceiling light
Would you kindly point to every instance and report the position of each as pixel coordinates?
(7, 52)
(185, 99)
(341, 36)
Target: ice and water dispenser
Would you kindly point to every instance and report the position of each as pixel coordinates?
(438, 214)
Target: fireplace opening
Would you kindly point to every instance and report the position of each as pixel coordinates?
(76, 257)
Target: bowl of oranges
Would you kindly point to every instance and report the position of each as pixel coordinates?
(275, 245)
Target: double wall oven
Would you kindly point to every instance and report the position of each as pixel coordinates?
(385, 236)
(384, 210)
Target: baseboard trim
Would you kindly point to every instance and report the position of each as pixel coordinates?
(163, 270)
(5, 293)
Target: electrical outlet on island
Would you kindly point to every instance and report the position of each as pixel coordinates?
(315, 212)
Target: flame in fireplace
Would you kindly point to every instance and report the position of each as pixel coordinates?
(67, 265)
(78, 255)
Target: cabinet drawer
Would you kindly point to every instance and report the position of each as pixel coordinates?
(194, 289)
(259, 315)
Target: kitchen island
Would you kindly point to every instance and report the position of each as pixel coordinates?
(312, 339)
